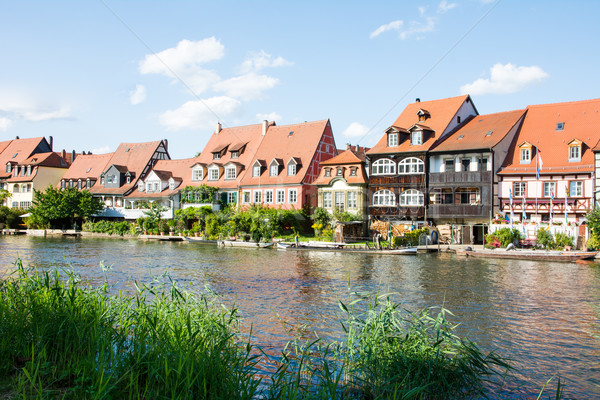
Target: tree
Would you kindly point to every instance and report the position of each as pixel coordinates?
(4, 194)
(62, 208)
(593, 220)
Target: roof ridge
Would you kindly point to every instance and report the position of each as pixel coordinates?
(563, 103)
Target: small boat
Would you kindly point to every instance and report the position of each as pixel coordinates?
(198, 240)
(239, 243)
(534, 255)
(344, 248)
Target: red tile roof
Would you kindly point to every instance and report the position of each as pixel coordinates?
(298, 142)
(181, 172)
(88, 166)
(581, 121)
(352, 155)
(17, 151)
(481, 132)
(348, 160)
(441, 114)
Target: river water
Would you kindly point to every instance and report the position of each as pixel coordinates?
(543, 316)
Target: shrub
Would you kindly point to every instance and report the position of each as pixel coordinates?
(492, 241)
(563, 240)
(507, 236)
(545, 239)
(410, 238)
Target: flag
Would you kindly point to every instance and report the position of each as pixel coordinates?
(551, 201)
(512, 215)
(566, 204)
(538, 162)
(523, 208)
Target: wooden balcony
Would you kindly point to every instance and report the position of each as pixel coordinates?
(399, 212)
(379, 180)
(458, 211)
(471, 178)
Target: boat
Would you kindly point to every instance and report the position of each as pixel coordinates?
(239, 243)
(199, 240)
(534, 255)
(344, 248)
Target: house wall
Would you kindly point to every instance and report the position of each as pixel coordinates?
(41, 179)
(304, 192)
(342, 186)
(466, 110)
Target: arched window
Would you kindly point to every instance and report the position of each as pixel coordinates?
(412, 198)
(411, 165)
(383, 166)
(384, 198)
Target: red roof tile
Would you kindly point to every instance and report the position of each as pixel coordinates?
(481, 132)
(581, 121)
(88, 166)
(18, 150)
(349, 159)
(442, 113)
(181, 172)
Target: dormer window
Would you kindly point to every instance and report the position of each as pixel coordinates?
(62, 184)
(171, 184)
(574, 151)
(560, 126)
(274, 170)
(141, 186)
(327, 172)
(423, 114)
(291, 169)
(71, 183)
(525, 156)
(256, 170)
(29, 170)
(102, 180)
(340, 171)
(392, 139)
(8, 167)
(128, 179)
(88, 183)
(213, 174)
(216, 156)
(416, 138)
(235, 154)
(230, 172)
(353, 171)
(197, 174)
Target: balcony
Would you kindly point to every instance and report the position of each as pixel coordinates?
(418, 179)
(120, 212)
(458, 210)
(400, 212)
(460, 177)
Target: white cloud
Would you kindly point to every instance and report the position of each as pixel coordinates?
(101, 150)
(356, 129)
(505, 79)
(5, 123)
(138, 95)
(444, 6)
(185, 61)
(392, 26)
(20, 106)
(269, 117)
(247, 87)
(197, 114)
(261, 60)
(418, 27)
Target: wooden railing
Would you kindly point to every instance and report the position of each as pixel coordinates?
(458, 210)
(460, 177)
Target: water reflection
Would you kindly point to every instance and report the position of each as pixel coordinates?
(544, 316)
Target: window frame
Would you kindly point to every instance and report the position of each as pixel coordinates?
(411, 166)
(548, 185)
(379, 167)
(210, 173)
(522, 189)
(392, 139)
(405, 199)
(578, 192)
(228, 175)
(416, 138)
(384, 198)
(279, 192)
(269, 196)
(576, 157)
(293, 198)
(352, 200)
(525, 155)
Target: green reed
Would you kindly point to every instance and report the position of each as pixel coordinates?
(61, 337)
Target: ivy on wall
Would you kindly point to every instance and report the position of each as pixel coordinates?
(199, 194)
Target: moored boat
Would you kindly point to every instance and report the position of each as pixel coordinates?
(198, 240)
(534, 255)
(239, 243)
(344, 248)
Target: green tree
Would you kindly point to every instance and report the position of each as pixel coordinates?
(593, 220)
(4, 194)
(62, 208)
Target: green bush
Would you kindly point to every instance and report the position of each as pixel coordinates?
(507, 236)
(410, 238)
(562, 240)
(110, 227)
(492, 241)
(545, 239)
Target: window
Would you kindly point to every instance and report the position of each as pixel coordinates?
(575, 188)
(269, 196)
(352, 200)
(29, 170)
(256, 170)
(449, 165)
(70, 183)
(8, 167)
(560, 126)
(62, 184)
(235, 154)
(525, 156)
(340, 171)
(128, 179)
(15, 188)
(483, 164)
(392, 139)
(171, 184)
(140, 186)
(291, 169)
(213, 174)
(230, 172)
(327, 200)
(293, 196)
(411, 198)
(340, 201)
(468, 196)
(416, 138)
(112, 179)
(79, 184)
(274, 170)
(383, 166)
(246, 197)
(88, 184)
(549, 189)
(353, 171)
(257, 196)
(280, 196)
(102, 180)
(384, 198)
(411, 165)
(465, 164)
(519, 189)
(575, 153)
(197, 174)
(327, 172)
(231, 197)
(216, 156)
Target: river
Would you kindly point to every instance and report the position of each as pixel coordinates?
(544, 316)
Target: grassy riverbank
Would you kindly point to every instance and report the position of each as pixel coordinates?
(64, 338)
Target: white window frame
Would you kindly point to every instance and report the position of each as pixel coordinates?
(230, 172)
(197, 174)
(525, 156)
(292, 196)
(392, 139)
(274, 170)
(327, 196)
(574, 153)
(575, 188)
(446, 162)
(211, 174)
(416, 138)
(171, 184)
(257, 197)
(231, 197)
(519, 189)
(256, 170)
(411, 198)
(140, 185)
(291, 169)
(246, 197)
(410, 166)
(269, 196)
(280, 193)
(352, 199)
(339, 201)
(549, 187)
(384, 198)
(383, 166)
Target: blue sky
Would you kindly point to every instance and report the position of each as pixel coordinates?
(93, 74)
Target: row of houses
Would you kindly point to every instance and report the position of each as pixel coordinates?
(439, 162)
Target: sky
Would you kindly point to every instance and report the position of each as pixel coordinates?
(93, 74)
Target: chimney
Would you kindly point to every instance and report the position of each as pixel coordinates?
(51, 143)
(17, 138)
(348, 146)
(64, 155)
(418, 100)
(265, 126)
(74, 155)
(219, 127)
(166, 143)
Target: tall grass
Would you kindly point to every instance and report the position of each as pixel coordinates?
(61, 337)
